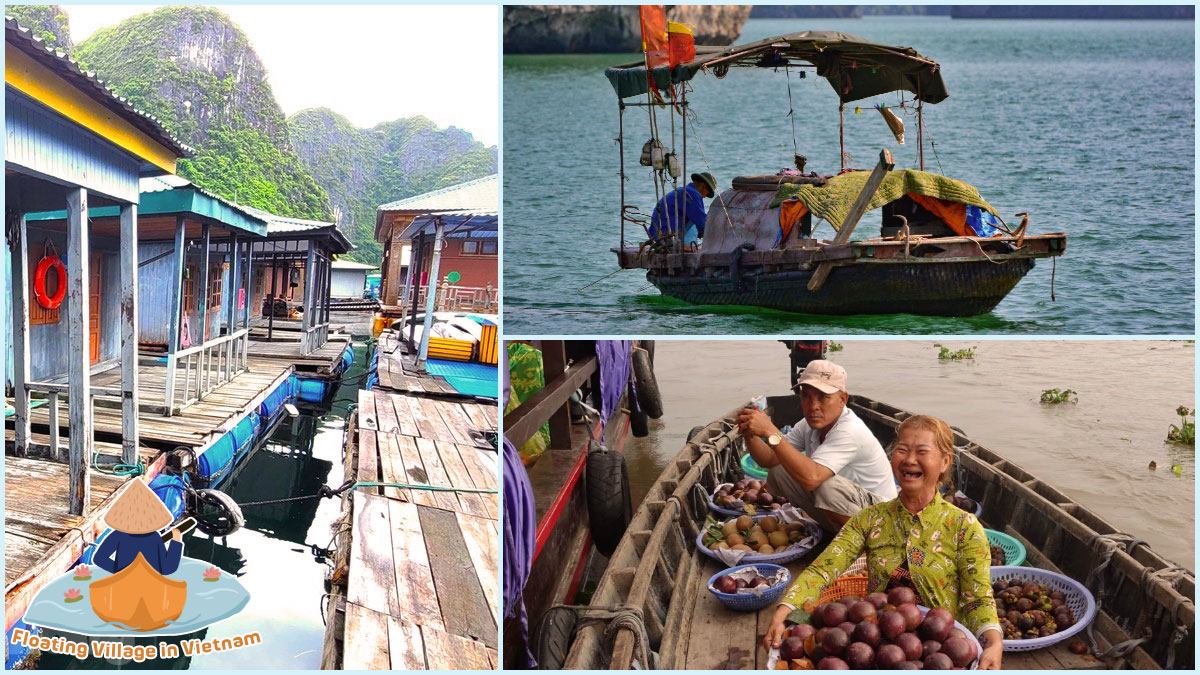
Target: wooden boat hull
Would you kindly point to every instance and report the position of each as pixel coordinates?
(138, 597)
(966, 288)
(657, 568)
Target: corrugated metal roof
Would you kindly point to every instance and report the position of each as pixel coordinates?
(68, 68)
(170, 182)
(457, 226)
(351, 265)
(282, 225)
(477, 197)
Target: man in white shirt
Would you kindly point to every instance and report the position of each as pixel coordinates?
(829, 464)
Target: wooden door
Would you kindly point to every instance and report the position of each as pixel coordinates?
(94, 294)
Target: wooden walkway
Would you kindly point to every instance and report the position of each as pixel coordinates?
(196, 426)
(418, 569)
(322, 361)
(398, 372)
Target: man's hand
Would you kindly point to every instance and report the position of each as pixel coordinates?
(177, 535)
(754, 422)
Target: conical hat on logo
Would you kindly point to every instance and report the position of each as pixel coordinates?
(138, 510)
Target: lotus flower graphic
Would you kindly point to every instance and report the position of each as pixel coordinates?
(212, 574)
(72, 595)
(82, 573)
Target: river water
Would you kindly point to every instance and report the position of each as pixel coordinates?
(272, 555)
(1096, 451)
(1087, 125)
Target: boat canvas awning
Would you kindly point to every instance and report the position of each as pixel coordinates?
(856, 68)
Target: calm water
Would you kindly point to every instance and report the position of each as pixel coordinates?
(1089, 126)
(1096, 451)
(272, 554)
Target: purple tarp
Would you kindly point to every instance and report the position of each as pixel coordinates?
(614, 359)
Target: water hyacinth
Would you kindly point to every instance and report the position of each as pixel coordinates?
(212, 574)
(73, 595)
(82, 572)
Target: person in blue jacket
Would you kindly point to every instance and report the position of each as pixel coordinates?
(136, 518)
(668, 210)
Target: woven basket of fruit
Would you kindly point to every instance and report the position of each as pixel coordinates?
(884, 632)
(965, 503)
(1005, 549)
(736, 586)
(745, 497)
(845, 586)
(751, 469)
(1039, 608)
(775, 539)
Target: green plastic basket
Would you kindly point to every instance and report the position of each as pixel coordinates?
(752, 469)
(1014, 551)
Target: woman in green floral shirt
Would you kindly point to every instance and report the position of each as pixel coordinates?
(917, 540)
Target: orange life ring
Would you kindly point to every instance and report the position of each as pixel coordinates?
(39, 282)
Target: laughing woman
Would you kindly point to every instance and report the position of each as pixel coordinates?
(917, 540)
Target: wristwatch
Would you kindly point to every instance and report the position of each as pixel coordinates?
(774, 439)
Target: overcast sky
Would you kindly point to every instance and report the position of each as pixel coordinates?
(369, 63)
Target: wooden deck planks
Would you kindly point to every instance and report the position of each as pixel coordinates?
(424, 563)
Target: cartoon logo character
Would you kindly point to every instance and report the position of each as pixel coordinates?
(138, 596)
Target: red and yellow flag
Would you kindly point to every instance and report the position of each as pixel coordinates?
(655, 42)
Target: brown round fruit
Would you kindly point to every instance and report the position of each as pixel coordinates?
(959, 650)
(791, 648)
(860, 656)
(833, 614)
(933, 628)
(835, 642)
(911, 646)
(892, 624)
(878, 599)
(889, 657)
(938, 661)
(900, 596)
(832, 663)
(861, 611)
(912, 615)
(867, 633)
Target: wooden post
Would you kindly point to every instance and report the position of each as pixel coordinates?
(20, 317)
(79, 371)
(311, 280)
(55, 445)
(246, 309)
(856, 212)
(176, 303)
(235, 284)
(554, 356)
(431, 294)
(129, 334)
(202, 375)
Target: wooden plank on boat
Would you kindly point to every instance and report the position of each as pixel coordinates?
(372, 582)
(720, 637)
(368, 466)
(366, 643)
(404, 417)
(415, 592)
(405, 644)
(464, 607)
(468, 502)
(446, 651)
(366, 410)
(391, 467)
(456, 422)
(482, 546)
(493, 658)
(436, 474)
(886, 162)
(414, 470)
(523, 422)
(385, 414)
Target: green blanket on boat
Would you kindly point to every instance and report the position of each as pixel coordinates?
(833, 201)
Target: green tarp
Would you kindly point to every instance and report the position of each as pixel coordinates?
(856, 68)
(833, 201)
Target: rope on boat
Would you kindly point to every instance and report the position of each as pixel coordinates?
(619, 617)
(327, 491)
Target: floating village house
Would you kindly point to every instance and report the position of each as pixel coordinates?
(348, 279)
(455, 236)
(72, 145)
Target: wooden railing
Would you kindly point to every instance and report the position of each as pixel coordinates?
(205, 367)
(452, 298)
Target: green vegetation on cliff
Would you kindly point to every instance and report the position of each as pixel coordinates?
(196, 71)
(364, 168)
(48, 22)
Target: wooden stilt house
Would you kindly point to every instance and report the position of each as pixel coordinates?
(71, 144)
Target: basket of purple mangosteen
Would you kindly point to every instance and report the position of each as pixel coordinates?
(777, 538)
(745, 497)
(879, 632)
(1038, 608)
(965, 503)
(749, 588)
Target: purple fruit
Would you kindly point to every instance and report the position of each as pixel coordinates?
(878, 599)
(847, 627)
(889, 656)
(781, 499)
(802, 630)
(912, 615)
(929, 648)
(759, 581)
(832, 663)
(848, 600)
(892, 624)
(835, 642)
(933, 628)
(867, 633)
(959, 651)
(726, 584)
(791, 648)
(740, 485)
(765, 498)
(944, 614)
(741, 583)
(938, 661)
(860, 656)
(834, 614)
(900, 596)
(911, 645)
(861, 611)
(911, 665)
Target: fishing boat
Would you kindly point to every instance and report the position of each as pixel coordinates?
(658, 578)
(940, 248)
(579, 485)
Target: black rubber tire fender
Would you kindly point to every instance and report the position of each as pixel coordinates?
(551, 639)
(609, 502)
(648, 397)
(228, 519)
(639, 424)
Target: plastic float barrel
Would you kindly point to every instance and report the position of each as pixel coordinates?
(172, 491)
(312, 391)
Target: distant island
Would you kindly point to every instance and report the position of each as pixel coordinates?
(976, 11)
